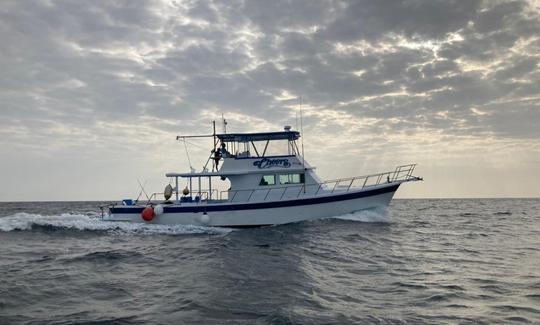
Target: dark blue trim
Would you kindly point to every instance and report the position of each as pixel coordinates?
(261, 136)
(261, 205)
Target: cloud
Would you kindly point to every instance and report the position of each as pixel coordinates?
(374, 19)
(97, 74)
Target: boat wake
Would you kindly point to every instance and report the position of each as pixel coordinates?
(374, 215)
(80, 222)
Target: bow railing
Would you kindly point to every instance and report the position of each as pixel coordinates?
(400, 174)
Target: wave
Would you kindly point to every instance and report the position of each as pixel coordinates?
(372, 215)
(68, 221)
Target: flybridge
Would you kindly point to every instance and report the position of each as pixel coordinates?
(251, 145)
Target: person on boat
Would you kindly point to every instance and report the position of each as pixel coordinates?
(223, 151)
(217, 156)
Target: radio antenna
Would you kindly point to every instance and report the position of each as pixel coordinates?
(224, 123)
(296, 119)
(302, 142)
(302, 132)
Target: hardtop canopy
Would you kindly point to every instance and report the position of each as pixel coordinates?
(264, 136)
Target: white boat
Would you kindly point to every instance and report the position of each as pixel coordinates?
(266, 187)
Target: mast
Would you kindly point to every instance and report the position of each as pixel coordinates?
(213, 151)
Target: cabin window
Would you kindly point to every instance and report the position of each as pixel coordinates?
(268, 180)
(291, 178)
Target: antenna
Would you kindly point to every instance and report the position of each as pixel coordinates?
(302, 141)
(302, 132)
(224, 123)
(296, 120)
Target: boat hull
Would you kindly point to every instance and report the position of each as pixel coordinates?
(262, 213)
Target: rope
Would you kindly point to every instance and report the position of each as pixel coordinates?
(187, 154)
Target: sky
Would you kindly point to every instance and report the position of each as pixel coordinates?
(93, 93)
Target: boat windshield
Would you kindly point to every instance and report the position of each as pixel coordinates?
(245, 145)
(259, 149)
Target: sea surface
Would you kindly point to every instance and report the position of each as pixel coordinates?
(474, 261)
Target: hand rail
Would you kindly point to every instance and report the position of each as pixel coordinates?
(402, 173)
(203, 195)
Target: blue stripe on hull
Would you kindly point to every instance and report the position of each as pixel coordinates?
(260, 205)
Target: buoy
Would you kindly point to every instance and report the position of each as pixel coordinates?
(185, 191)
(205, 219)
(148, 213)
(168, 192)
(158, 209)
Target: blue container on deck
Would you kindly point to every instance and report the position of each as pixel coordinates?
(127, 202)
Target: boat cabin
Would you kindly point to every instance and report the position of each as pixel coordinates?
(263, 164)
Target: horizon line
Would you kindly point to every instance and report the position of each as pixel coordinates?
(401, 198)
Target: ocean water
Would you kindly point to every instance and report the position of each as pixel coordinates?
(471, 261)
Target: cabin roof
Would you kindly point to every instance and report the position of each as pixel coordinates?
(238, 172)
(264, 136)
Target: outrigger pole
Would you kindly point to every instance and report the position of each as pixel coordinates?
(179, 137)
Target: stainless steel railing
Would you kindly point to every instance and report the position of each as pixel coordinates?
(342, 185)
(400, 174)
(203, 194)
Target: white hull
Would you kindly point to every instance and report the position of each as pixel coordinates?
(245, 217)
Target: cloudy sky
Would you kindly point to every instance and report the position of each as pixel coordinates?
(93, 93)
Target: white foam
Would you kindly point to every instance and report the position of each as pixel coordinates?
(376, 215)
(25, 221)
